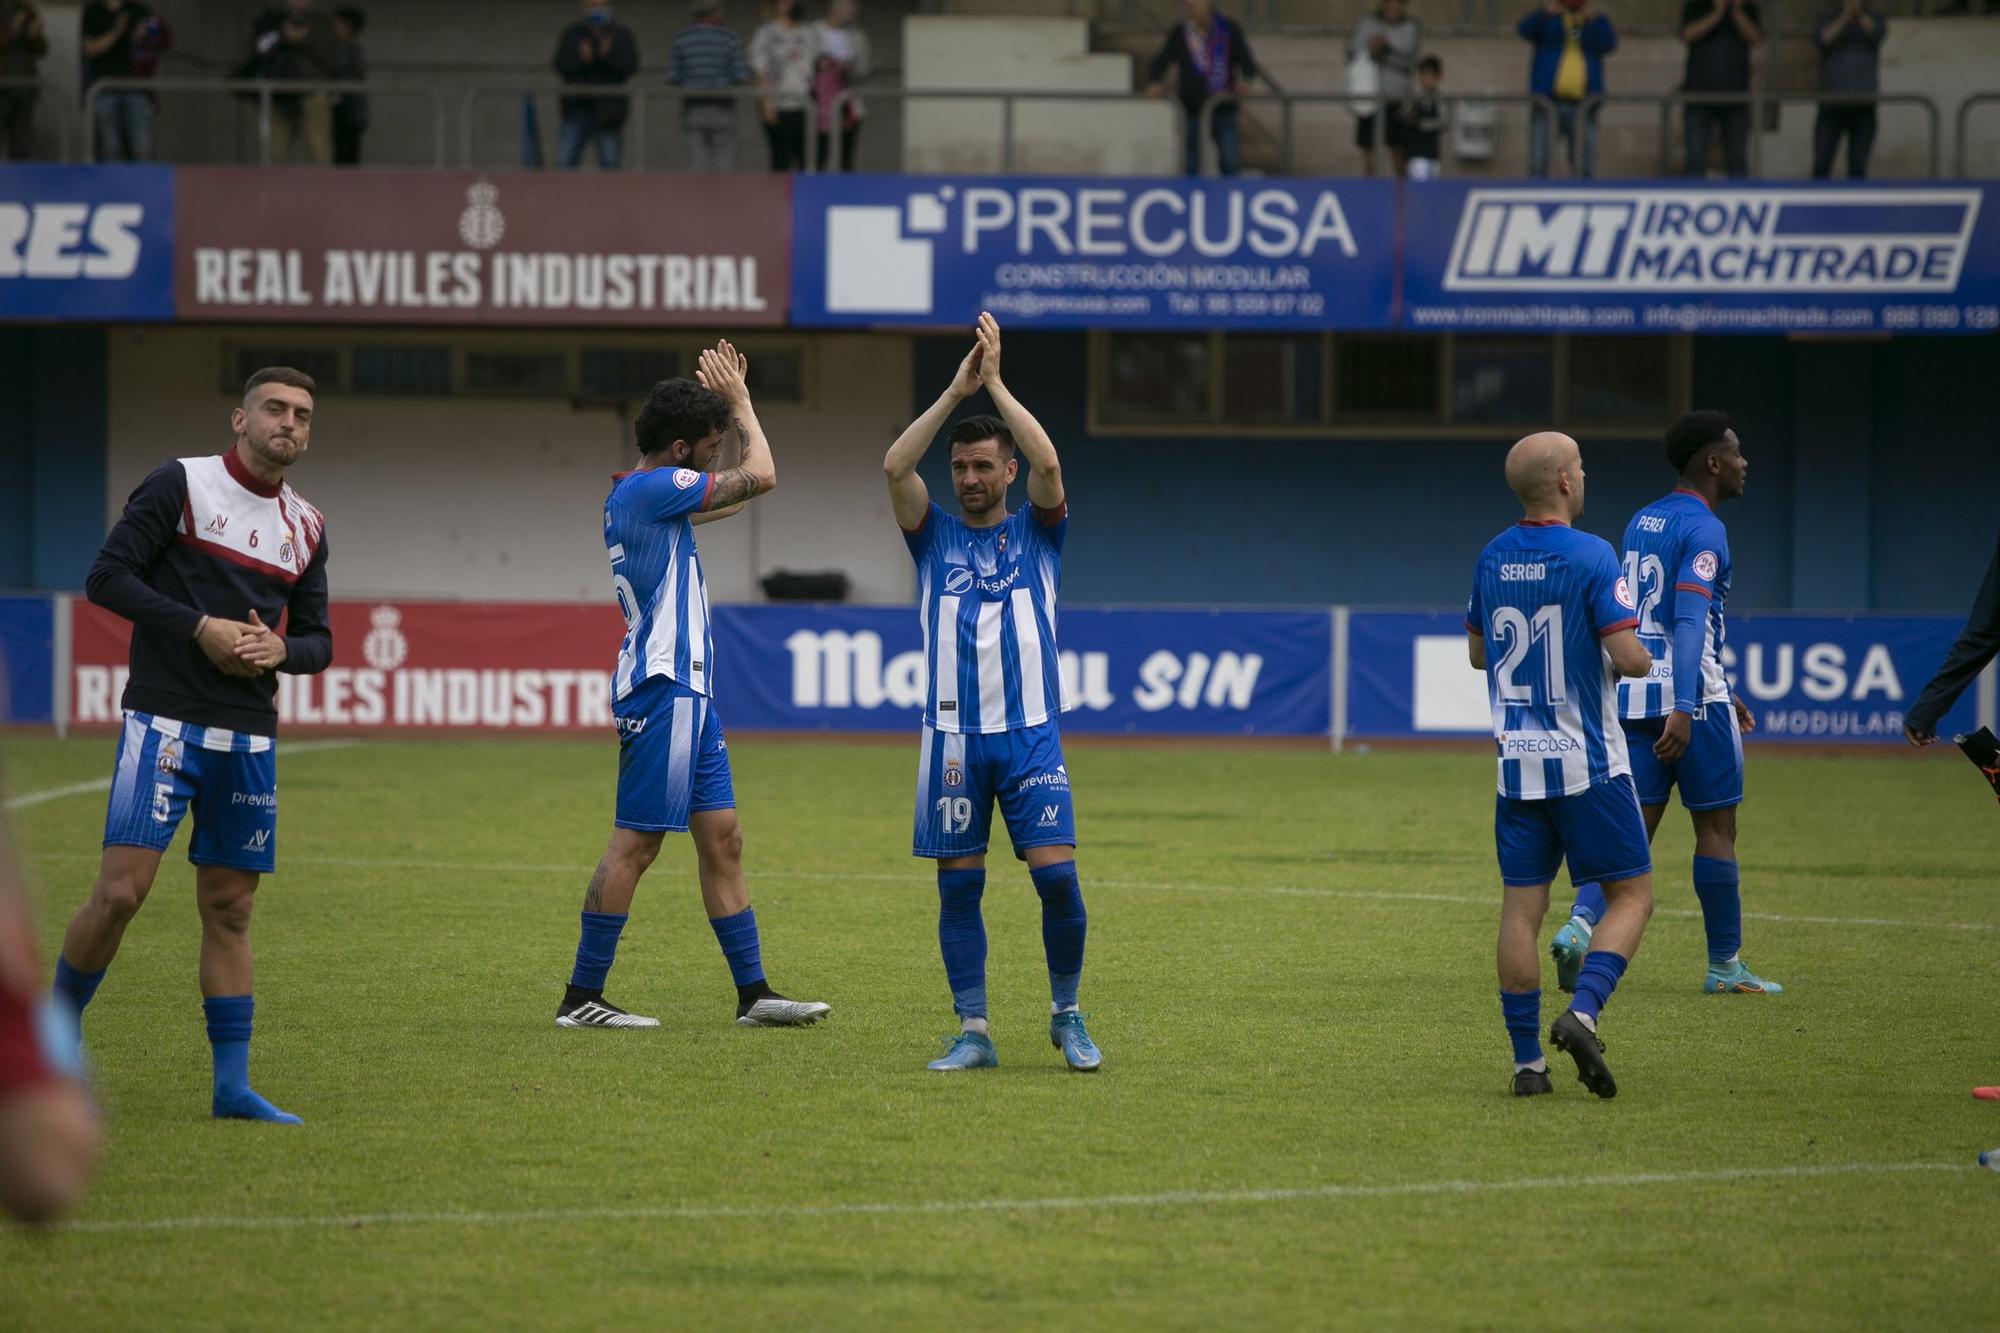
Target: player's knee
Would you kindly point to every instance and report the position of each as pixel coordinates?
(723, 845)
(119, 896)
(228, 910)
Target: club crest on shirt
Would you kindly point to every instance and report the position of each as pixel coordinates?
(954, 776)
(1704, 566)
(685, 478)
(169, 760)
(958, 581)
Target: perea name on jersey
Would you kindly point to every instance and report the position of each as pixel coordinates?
(656, 574)
(1677, 565)
(987, 600)
(1543, 597)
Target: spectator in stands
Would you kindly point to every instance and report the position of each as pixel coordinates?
(783, 55)
(1720, 35)
(1850, 58)
(122, 39)
(1424, 118)
(845, 59)
(1213, 59)
(1392, 40)
(705, 54)
(594, 51)
(297, 44)
(23, 43)
(350, 65)
(1568, 66)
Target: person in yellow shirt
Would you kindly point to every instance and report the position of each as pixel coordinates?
(1570, 43)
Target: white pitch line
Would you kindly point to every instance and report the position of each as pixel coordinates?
(1154, 886)
(1169, 1199)
(33, 798)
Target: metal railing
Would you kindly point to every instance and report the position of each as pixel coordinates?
(266, 91)
(46, 95)
(1007, 98)
(1287, 102)
(639, 100)
(1961, 147)
(1759, 105)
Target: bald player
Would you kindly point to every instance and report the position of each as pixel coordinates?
(1551, 624)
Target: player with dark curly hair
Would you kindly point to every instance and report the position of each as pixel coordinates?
(673, 767)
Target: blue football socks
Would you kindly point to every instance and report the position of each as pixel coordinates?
(1063, 927)
(738, 937)
(962, 939)
(74, 986)
(1715, 883)
(229, 1038)
(1523, 1015)
(1589, 903)
(596, 947)
(1594, 984)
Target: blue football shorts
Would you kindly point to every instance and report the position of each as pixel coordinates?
(1598, 831)
(960, 776)
(672, 759)
(1709, 772)
(234, 793)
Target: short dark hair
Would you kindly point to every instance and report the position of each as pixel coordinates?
(354, 17)
(679, 409)
(1431, 63)
(296, 379)
(1693, 433)
(977, 430)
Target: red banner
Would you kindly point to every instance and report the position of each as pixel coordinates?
(543, 247)
(409, 664)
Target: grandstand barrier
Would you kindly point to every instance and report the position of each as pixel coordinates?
(262, 92)
(1961, 144)
(922, 252)
(1337, 673)
(640, 98)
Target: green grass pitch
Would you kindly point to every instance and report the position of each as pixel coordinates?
(1302, 1119)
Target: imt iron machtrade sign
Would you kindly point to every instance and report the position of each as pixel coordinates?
(541, 248)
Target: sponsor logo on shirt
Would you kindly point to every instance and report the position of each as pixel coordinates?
(1704, 566)
(1623, 592)
(1051, 816)
(1059, 778)
(958, 580)
(263, 800)
(685, 478)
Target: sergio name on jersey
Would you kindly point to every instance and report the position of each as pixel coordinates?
(656, 575)
(1677, 564)
(1543, 597)
(987, 601)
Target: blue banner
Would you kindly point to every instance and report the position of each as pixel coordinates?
(90, 243)
(1068, 252)
(1683, 257)
(861, 668)
(1805, 678)
(27, 660)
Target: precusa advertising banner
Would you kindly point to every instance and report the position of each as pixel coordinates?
(1805, 678)
(1684, 257)
(784, 667)
(86, 242)
(453, 247)
(1070, 252)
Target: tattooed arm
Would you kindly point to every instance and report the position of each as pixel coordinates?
(722, 370)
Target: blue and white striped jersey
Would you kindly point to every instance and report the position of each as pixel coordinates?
(656, 575)
(1543, 597)
(1676, 549)
(987, 600)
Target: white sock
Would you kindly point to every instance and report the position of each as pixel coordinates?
(1586, 1020)
(1054, 1008)
(972, 1025)
(1540, 1066)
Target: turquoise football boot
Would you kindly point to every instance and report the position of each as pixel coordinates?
(1569, 946)
(1732, 978)
(1066, 1034)
(968, 1050)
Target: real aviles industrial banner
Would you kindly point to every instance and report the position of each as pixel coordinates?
(626, 249)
